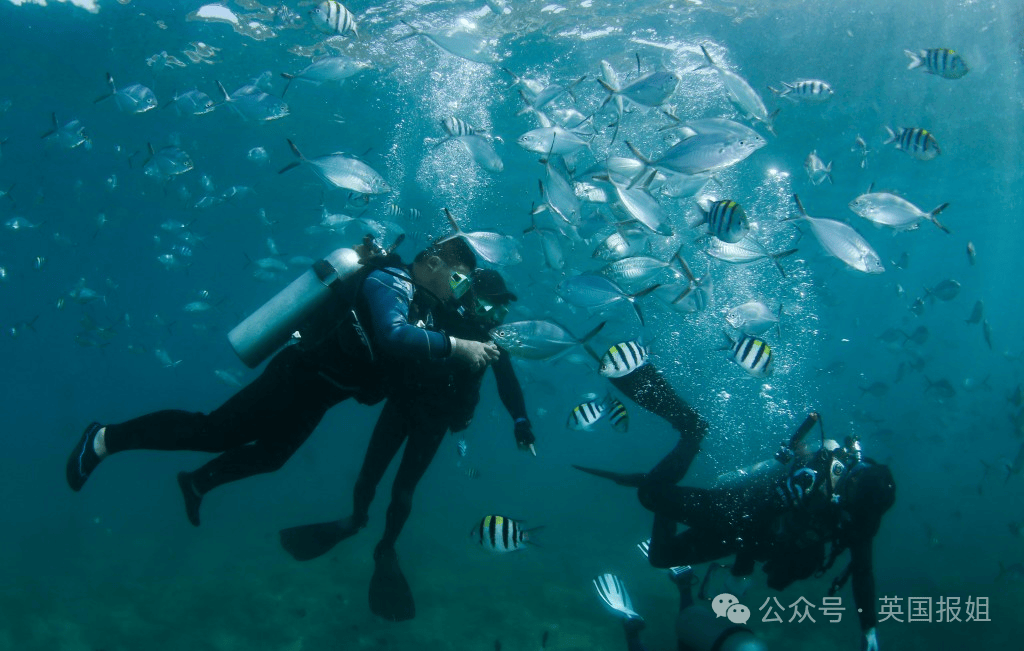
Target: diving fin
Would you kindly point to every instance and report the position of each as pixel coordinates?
(310, 541)
(631, 480)
(390, 596)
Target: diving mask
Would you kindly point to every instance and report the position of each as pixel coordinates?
(489, 312)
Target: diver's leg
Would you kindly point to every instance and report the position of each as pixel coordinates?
(388, 435)
(712, 515)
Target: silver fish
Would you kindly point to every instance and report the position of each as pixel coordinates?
(740, 92)
(636, 269)
(19, 223)
(135, 98)
(842, 241)
(652, 89)
(538, 340)
(458, 42)
(342, 171)
(746, 250)
(554, 257)
(594, 292)
(552, 140)
(817, 171)
(891, 210)
(495, 248)
(977, 312)
(482, 152)
(559, 192)
(69, 136)
(703, 152)
(328, 69)
(167, 163)
(618, 246)
(641, 206)
(253, 104)
(941, 389)
(752, 318)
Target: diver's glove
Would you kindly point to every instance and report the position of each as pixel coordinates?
(870, 640)
(524, 433)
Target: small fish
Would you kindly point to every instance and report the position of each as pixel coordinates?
(623, 358)
(456, 127)
(619, 246)
(842, 241)
(228, 378)
(977, 313)
(986, 330)
(917, 307)
(462, 447)
(472, 473)
(808, 90)
(193, 102)
(938, 61)
(135, 98)
(197, 306)
(164, 358)
(258, 155)
(752, 355)
(971, 384)
(342, 171)
(585, 415)
(16, 224)
(919, 336)
(860, 146)
(817, 171)
(69, 136)
(946, 290)
(752, 318)
(942, 389)
(919, 143)
(552, 140)
(500, 534)
(459, 43)
(618, 416)
(38, 263)
(892, 335)
(332, 17)
(971, 253)
(18, 328)
(891, 210)
(876, 389)
(726, 220)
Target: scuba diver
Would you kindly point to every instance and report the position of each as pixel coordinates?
(783, 512)
(430, 401)
(358, 315)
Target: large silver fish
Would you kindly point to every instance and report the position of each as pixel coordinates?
(327, 69)
(493, 247)
(842, 241)
(471, 47)
(253, 104)
(559, 193)
(740, 92)
(168, 162)
(594, 292)
(703, 152)
(342, 171)
(552, 140)
(891, 210)
(69, 136)
(135, 98)
(620, 245)
(482, 152)
(538, 340)
(644, 208)
(651, 90)
(746, 250)
(192, 102)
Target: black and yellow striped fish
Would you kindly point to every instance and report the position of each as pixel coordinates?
(456, 127)
(332, 17)
(726, 220)
(938, 61)
(499, 534)
(623, 358)
(584, 415)
(919, 143)
(753, 355)
(618, 416)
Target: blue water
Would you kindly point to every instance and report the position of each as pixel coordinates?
(118, 567)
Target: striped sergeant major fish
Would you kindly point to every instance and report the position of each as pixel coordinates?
(753, 355)
(726, 220)
(585, 415)
(938, 61)
(456, 127)
(500, 534)
(332, 17)
(808, 90)
(919, 143)
(623, 358)
(618, 416)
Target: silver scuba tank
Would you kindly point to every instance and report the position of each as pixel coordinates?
(270, 326)
(764, 472)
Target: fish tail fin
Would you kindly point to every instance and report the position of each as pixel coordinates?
(223, 91)
(800, 207)
(770, 123)
(709, 62)
(52, 131)
(113, 89)
(415, 32)
(892, 136)
(287, 85)
(730, 342)
(678, 257)
(931, 217)
(828, 173)
(775, 257)
(593, 333)
(592, 353)
(916, 61)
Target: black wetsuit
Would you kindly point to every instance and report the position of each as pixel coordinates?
(420, 412)
(260, 427)
(754, 522)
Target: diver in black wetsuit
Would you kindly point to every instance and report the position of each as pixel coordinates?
(784, 515)
(430, 402)
(359, 352)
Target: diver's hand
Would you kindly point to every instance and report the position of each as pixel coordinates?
(870, 640)
(475, 354)
(524, 436)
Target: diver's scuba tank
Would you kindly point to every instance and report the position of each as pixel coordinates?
(270, 327)
(770, 471)
(699, 629)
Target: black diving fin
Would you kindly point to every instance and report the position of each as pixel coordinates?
(310, 541)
